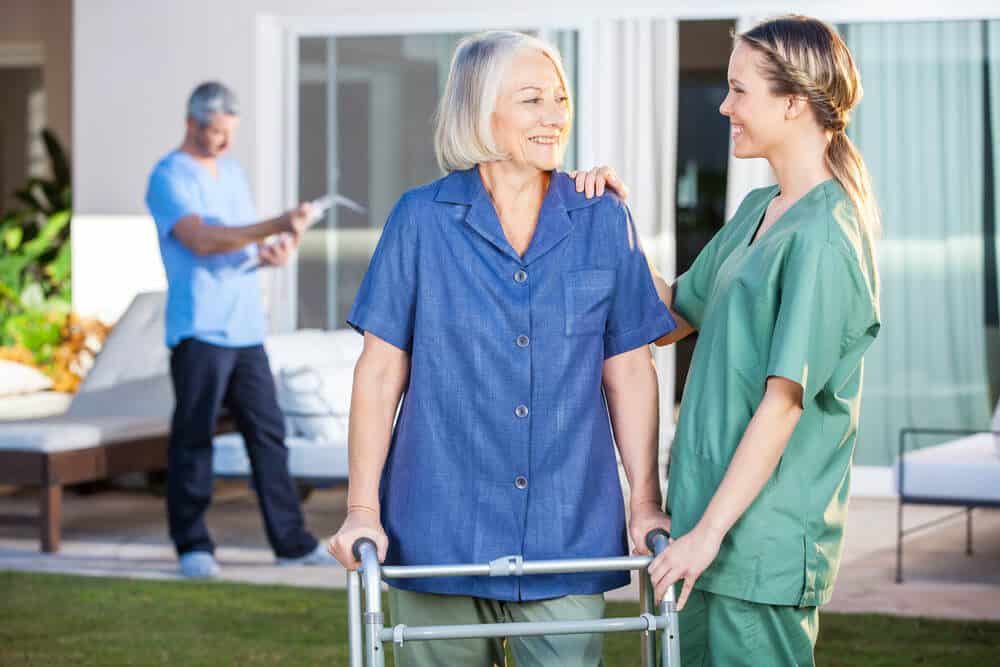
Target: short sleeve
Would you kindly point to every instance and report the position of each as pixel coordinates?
(170, 196)
(637, 316)
(385, 304)
(814, 316)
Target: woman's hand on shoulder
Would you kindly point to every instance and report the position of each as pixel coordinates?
(594, 182)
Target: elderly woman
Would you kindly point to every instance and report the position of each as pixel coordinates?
(501, 302)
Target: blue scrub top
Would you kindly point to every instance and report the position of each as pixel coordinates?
(503, 442)
(211, 298)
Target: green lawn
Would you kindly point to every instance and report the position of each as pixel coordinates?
(64, 620)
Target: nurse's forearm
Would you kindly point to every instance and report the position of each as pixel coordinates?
(374, 399)
(756, 457)
(633, 403)
(666, 294)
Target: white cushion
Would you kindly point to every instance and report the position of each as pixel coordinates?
(131, 374)
(64, 434)
(315, 373)
(965, 469)
(17, 379)
(306, 458)
(121, 399)
(317, 401)
(313, 347)
(33, 406)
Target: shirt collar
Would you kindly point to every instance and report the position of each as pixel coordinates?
(554, 222)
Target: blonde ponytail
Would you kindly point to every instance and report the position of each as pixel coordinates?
(806, 57)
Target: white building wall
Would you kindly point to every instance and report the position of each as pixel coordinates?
(136, 62)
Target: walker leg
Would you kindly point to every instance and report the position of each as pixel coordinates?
(646, 602)
(968, 531)
(354, 639)
(899, 542)
(373, 620)
(671, 634)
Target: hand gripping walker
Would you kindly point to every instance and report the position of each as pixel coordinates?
(367, 632)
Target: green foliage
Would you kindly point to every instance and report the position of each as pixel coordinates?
(35, 281)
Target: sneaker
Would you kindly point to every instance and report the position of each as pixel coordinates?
(199, 565)
(318, 556)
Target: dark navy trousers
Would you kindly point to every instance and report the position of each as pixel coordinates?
(207, 377)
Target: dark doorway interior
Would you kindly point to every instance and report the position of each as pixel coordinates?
(22, 117)
(702, 149)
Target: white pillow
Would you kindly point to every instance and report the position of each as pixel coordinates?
(326, 388)
(317, 400)
(18, 378)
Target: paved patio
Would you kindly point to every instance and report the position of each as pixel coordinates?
(122, 533)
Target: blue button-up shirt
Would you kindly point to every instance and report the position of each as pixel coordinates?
(503, 443)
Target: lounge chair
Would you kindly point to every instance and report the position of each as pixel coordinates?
(964, 472)
(117, 422)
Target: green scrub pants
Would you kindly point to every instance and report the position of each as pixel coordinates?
(720, 631)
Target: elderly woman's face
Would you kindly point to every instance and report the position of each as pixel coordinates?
(532, 112)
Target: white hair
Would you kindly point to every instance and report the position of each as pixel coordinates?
(463, 136)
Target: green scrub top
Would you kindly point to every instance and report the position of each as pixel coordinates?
(801, 303)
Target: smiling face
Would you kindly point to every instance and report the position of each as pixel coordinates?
(756, 115)
(531, 119)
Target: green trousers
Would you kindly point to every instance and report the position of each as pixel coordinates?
(720, 631)
(543, 651)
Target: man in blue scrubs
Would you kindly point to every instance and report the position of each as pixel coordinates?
(211, 244)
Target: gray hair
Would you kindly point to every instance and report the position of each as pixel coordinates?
(463, 136)
(211, 98)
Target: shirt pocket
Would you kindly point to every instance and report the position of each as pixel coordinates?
(588, 294)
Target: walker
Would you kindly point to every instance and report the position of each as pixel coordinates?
(367, 632)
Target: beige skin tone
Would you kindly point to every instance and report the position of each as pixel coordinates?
(206, 144)
(529, 124)
(784, 130)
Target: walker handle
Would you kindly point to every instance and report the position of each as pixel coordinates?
(652, 537)
(356, 547)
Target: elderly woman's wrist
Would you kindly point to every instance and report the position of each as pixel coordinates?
(371, 508)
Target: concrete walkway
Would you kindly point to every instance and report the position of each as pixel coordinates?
(122, 533)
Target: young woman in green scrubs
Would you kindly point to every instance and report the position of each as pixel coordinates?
(785, 301)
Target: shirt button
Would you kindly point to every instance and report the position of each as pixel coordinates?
(521, 411)
(522, 341)
(521, 482)
(520, 276)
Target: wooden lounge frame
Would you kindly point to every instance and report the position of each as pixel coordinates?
(51, 471)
